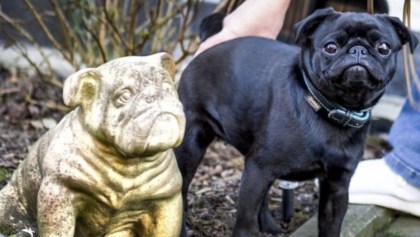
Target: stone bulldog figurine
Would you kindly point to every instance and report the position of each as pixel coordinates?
(107, 169)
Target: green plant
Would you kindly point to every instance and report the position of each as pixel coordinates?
(7, 230)
(5, 174)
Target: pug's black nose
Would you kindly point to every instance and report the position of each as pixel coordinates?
(358, 50)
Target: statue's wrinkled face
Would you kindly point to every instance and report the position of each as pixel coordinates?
(143, 113)
(133, 106)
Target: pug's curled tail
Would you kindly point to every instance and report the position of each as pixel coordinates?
(211, 25)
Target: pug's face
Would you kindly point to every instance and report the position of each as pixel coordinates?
(351, 57)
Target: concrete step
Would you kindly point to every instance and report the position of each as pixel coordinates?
(360, 221)
(402, 226)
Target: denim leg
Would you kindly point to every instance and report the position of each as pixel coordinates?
(405, 139)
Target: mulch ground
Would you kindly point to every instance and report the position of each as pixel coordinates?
(29, 106)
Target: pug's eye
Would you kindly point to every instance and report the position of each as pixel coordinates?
(124, 97)
(330, 48)
(383, 48)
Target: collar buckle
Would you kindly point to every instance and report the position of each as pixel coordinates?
(349, 118)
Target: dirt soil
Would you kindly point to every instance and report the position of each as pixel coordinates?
(29, 106)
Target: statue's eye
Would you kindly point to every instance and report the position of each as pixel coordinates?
(124, 97)
(383, 48)
(331, 48)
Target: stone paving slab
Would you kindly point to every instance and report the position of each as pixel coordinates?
(403, 226)
(360, 221)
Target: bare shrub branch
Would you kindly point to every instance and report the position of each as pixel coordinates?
(92, 32)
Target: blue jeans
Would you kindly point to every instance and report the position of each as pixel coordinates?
(404, 136)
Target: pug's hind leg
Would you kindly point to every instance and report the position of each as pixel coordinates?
(189, 154)
(266, 220)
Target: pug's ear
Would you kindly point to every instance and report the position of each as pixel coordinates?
(81, 87)
(304, 28)
(405, 35)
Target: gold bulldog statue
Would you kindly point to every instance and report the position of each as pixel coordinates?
(107, 169)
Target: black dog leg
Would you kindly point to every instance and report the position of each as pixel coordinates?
(266, 220)
(255, 183)
(333, 203)
(189, 155)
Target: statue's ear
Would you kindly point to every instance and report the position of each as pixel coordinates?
(81, 87)
(166, 61)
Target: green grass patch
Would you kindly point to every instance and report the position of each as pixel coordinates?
(5, 174)
(7, 231)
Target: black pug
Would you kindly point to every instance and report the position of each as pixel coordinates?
(295, 113)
